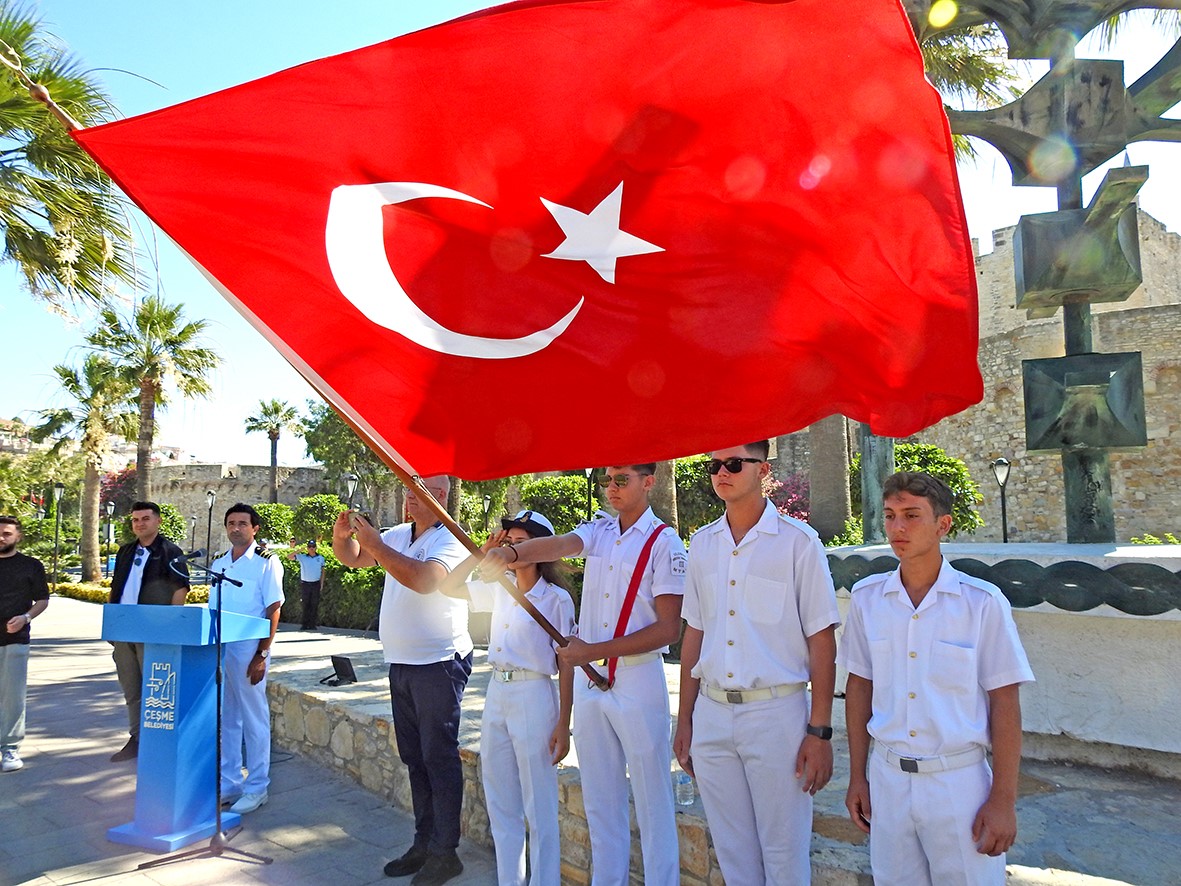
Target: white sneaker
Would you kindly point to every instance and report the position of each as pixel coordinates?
(10, 761)
(248, 803)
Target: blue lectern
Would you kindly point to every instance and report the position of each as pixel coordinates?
(175, 794)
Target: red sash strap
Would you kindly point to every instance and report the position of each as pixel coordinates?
(629, 601)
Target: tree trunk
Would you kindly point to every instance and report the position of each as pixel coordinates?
(664, 494)
(877, 463)
(143, 445)
(454, 498)
(90, 524)
(274, 435)
(828, 477)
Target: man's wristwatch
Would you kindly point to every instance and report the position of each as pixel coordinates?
(266, 653)
(824, 733)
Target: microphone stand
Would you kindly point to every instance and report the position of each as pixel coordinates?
(219, 842)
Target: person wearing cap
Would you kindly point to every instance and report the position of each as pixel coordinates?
(622, 735)
(311, 584)
(761, 615)
(427, 646)
(525, 731)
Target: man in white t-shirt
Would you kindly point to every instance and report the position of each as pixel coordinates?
(427, 646)
(246, 717)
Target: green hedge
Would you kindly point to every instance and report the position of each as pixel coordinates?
(350, 599)
(101, 592)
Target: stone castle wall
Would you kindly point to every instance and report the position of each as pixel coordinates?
(185, 485)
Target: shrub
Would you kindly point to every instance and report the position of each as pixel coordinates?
(1148, 539)
(562, 499)
(696, 502)
(351, 597)
(934, 461)
(790, 497)
(314, 517)
(275, 522)
(173, 526)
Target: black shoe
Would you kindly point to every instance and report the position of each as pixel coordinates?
(408, 864)
(129, 752)
(438, 870)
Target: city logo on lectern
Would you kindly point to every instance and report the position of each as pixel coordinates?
(160, 702)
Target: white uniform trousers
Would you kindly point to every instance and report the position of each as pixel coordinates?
(921, 828)
(620, 734)
(245, 716)
(520, 779)
(744, 757)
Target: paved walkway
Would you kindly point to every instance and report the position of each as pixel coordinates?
(1079, 825)
(319, 827)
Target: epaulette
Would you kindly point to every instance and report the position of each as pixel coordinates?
(986, 586)
(260, 551)
(876, 578)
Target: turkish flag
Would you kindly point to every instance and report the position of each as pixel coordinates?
(552, 235)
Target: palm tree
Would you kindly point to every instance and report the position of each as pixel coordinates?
(274, 417)
(61, 223)
(99, 408)
(154, 345)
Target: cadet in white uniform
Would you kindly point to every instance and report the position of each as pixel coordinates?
(934, 665)
(245, 713)
(525, 730)
(761, 617)
(624, 732)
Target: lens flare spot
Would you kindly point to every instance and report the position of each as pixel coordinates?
(511, 249)
(646, 378)
(900, 167)
(1052, 160)
(745, 177)
(942, 13)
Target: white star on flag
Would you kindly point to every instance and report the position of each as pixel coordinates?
(596, 238)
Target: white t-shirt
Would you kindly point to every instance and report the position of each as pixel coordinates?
(610, 561)
(932, 666)
(135, 577)
(757, 601)
(423, 628)
(516, 640)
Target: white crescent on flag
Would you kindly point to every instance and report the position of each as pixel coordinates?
(357, 258)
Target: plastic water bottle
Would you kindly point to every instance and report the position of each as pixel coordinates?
(682, 787)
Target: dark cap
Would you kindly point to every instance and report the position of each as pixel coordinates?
(533, 522)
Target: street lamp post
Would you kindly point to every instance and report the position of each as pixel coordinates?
(1000, 470)
(110, 508)
(192, 530)
(210, 497)
(590, 493)
(487, 508)
(350, 482)
(58, 489)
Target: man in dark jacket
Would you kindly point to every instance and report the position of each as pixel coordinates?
(148, 571)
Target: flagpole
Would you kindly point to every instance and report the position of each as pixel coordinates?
(12, 61)
(414, 481)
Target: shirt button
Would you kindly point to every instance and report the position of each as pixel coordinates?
(506, 624)
(730, 674)
(731, 611)
(913, 733)
(733, 582)
(729, 642)
(610, 568)
(605, 596)
(910, 695)
(620, 541)
(498, 649)
(734, 553)
(604, 624)
(914, 655)
(915, 616)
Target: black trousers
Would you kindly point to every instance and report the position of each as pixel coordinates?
(309, 593)
(425, 701)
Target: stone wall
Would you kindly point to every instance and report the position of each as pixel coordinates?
(185, 485)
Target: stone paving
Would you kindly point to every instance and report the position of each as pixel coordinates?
(1079, 825)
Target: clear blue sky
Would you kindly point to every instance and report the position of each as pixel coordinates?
(190, 49)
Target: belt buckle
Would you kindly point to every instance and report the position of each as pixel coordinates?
(504, 676)
(734, 696)
(908, 765)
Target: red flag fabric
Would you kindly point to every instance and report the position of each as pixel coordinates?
(559, 234)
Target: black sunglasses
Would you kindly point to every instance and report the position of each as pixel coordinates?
(620, 480)
(732, 465)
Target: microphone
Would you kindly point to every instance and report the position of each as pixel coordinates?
(185, 558)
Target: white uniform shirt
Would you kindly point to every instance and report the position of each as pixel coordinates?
(757, 601)
(610, 561)
(135, 577)
(932, 667)
(416, 628)
(516, 640)
(262, 583)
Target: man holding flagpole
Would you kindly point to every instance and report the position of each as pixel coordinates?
(429, 652)
(631, 611)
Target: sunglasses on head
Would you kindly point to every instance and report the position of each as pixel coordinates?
(619, 480)
(732, 465)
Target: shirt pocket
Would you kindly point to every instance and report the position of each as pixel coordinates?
(764, 600)
(953, 668)
(879, 661)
